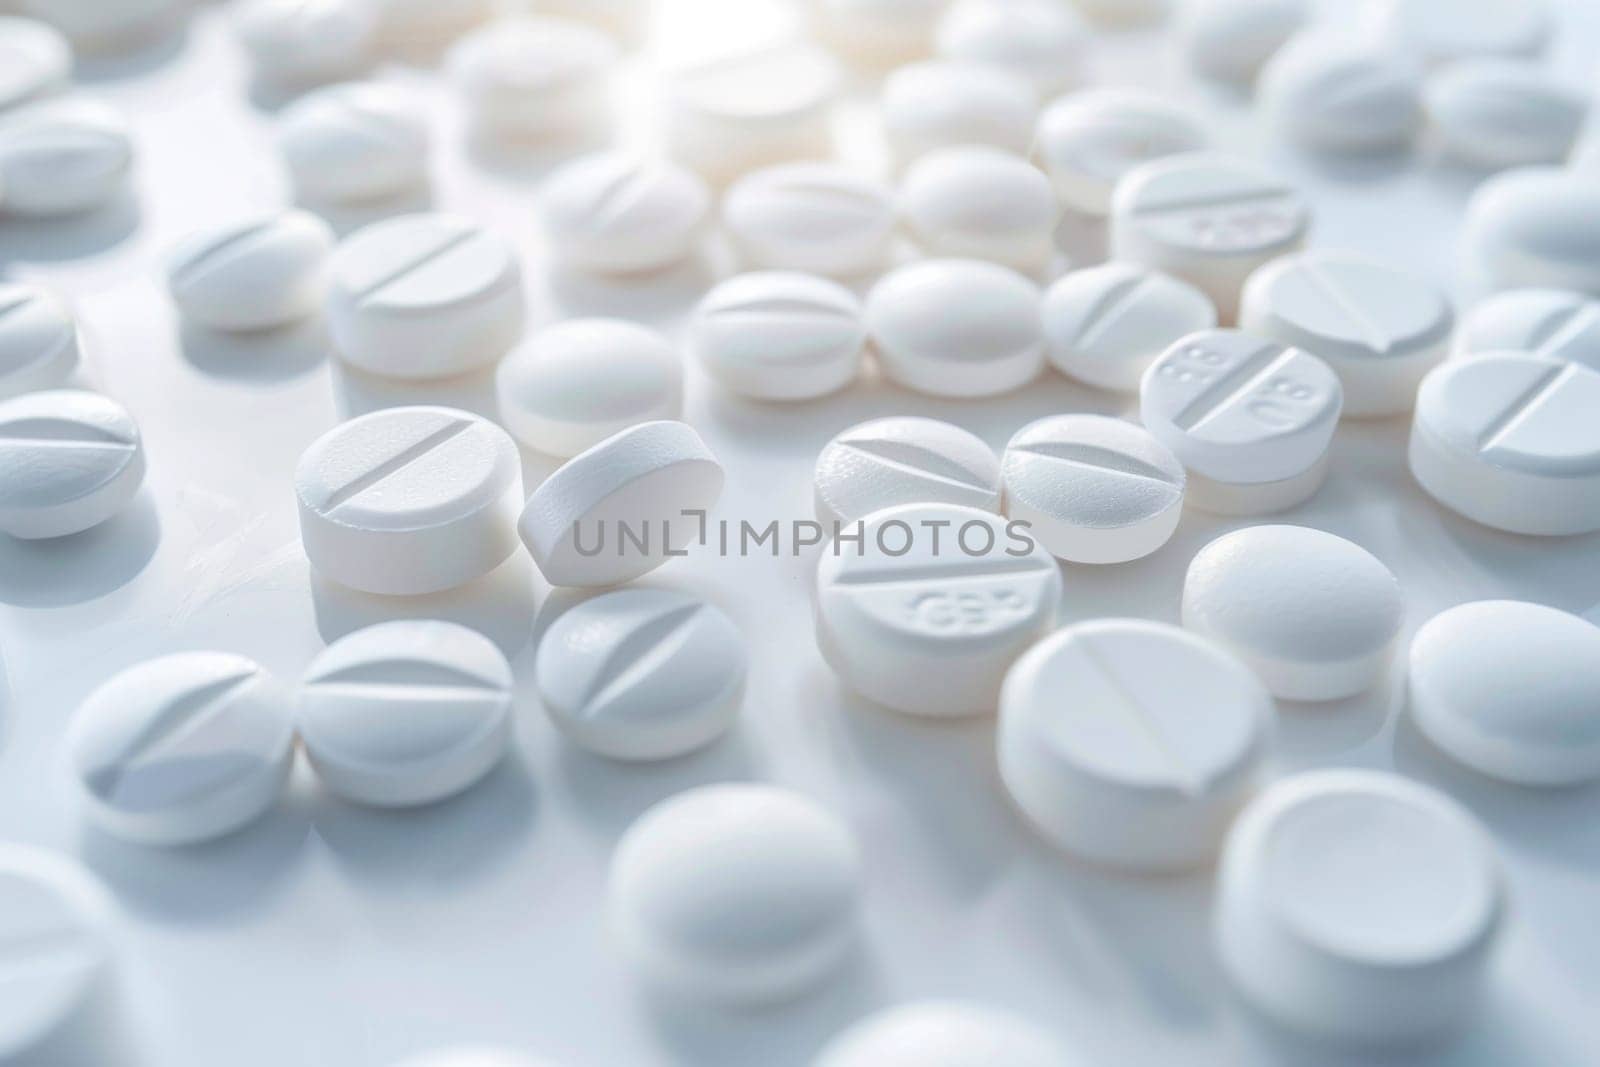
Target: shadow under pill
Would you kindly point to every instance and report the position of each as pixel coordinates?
(609, 795)
(97, 1034)
(146, 51)
(346, 218)
(61, 571)
(259, 356)
(651, 298)
(529, 162)
(69, 237)
(356, 392)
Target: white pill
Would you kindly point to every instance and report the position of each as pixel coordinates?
(35, 61)
(1333, 93)
(1231, 40)
(642, 674)
(956, 327)
(736, 893)
(1505, 114)
(62, 156)
(625, 20)
(1510, 689)
(1358, 906)
(821, 218)
(105, 24)
(940, 104)
(69, 460)
(1106, 324)
(1536, 226)
(531, 76)
(55, 925)
(39, 346)
(424, 25)
(1041, 41)
(622, 508)
(879, 33)
(1251, 420)
(774, 335)
(1511, 440)
(982, 203)
(299, 42)
(409, 500)
(1314, 615)
(1088, 140)
(925, 613)
(574, 384)
(1093, 489)
(620, 212)
(937, 1033)
(1208, 219)
(352, 143)
(472, 1056)
(424, 296)
(1449, 30)
(252, 275)
(405, 713)
(1544, 322)
(1132, 743)
(184, 748)
(903, 459)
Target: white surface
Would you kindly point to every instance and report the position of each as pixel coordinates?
(431, 918)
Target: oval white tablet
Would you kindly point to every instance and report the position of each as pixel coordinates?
(405, 713)
(1449, 30)
(62, 156)
(940, 104)
(424, 296)
(736, 894)
(822, 218)
(532, 76)
(776, 335)
(69, 460)
(1358, 906)
(1504, 114)
(1314, 615)
(298, 42)
(1334, 93)
(939, 1033)
(1208, 219)
(620, 212)
(35, 61)
(1132, 743)
(1093, 489)
(252, 275)
(981, 203)
(39, 346)
(1088, 140)
(928, 610)
(1231, 40)
(354, 143)
(1536, 226)
(878, 33)
(1106, 324)
(184, 748)
(1510, 440)
(956, 327)
(622, 508)
(572, 385)
(642, 674)
(1545, 322)
(1380, 329)
(1038, 40)
(409, 500)
(903, 459)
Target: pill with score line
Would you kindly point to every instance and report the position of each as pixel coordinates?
(903, 459)
(1545, 322)
(69, 461)
(39, 346)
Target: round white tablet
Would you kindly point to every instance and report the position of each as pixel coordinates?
(903, 459)
(736, 893)
(1335, 93)
(1449, 30)
(1093, 489)
(1208, 219)
(774, 335)
(352, 143)
(405, 713)
(956, 327)
(1536, 226)
(55, 925)
(1132, 743)
(622, 508)
(1380, 329)
(981, 203)
(298, 42)
(532, 76)
(939, 104)
(878, 33)
(574, 384)
(105, 24)
(1314, 615)
(39, 346)
(939, 1033)
(822, 218)
(642, 674)
(620, 212)
(1358, 906)
(252, 275)
(1231, 40)
(184, 748)
(1504, 114)
(69, 460)
(1511, 440)
(1040, 41)
(925, 612)
(35, 61)
(1106, 324)
(62, 156)
(1088, 140)
(1251, 420)
(424, 296)
(1545, 322)
(409, 500)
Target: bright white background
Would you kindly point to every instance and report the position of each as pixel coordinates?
(329, 934)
